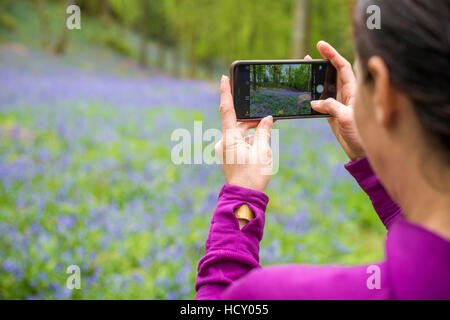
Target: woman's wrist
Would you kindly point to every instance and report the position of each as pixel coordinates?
(226, 224)
(247, 185)
(251, 202)
(356, 156)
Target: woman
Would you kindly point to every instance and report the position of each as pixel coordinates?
(393, 122)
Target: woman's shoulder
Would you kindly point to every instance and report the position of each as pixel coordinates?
(418, 261)
(298, 281)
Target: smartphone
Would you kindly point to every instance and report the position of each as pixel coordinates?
(281, 88)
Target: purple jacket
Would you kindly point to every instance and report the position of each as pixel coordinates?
(417, 261)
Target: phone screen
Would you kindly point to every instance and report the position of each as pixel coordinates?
(281, 89)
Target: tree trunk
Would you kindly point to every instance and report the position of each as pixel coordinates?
(143, 61)
(301, 28)
(254, 77)
(144, 33)
(43, 15)
(193, 61)
(162, 54)
(193, 66)
(290, 76)
(176, 62)
(61, 45)
(105, 11)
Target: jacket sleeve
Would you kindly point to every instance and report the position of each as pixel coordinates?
(384, 206)
(230, 252)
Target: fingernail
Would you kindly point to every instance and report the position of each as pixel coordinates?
(223, 77)
(315, 103)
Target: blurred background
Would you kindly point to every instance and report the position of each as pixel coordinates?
(86, 116)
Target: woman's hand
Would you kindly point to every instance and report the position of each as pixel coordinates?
(246, 161)
(341, 109)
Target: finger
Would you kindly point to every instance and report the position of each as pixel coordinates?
(307, 57)
(329, 105)
(343, 67)
(262, 133)
(245, 126)
(226, 109)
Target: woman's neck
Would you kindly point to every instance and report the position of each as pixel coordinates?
(425, 198)
(435, 218)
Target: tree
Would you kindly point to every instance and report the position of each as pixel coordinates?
(43, 16)
(300, 77)
(255, 81)
(261, 73)
(105, 11)
(300, 29)
(61, 44)
(143, 33)
(159, 29)
(193, 22)
(275, 72)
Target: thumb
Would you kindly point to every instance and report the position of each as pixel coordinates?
(262, 133)
(329, 105)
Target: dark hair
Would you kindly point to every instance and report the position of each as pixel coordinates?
(413, 41)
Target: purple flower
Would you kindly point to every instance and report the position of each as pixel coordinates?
(172, 295)
(137, 278)
(12, 267)
(54, 286)
(65, 223)
(63, 293)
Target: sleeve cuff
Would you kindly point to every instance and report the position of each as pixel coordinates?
(385, 207)
(232, 192)
(225, 233)
(364, 176)
(359, 169)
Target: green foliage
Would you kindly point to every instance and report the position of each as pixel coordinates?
(213, 33)
(118, 45)
(301, 77)
(331, 21)
(228, 30)
(295, 77)
(275, 73)
(7, 21)
(128, 11)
